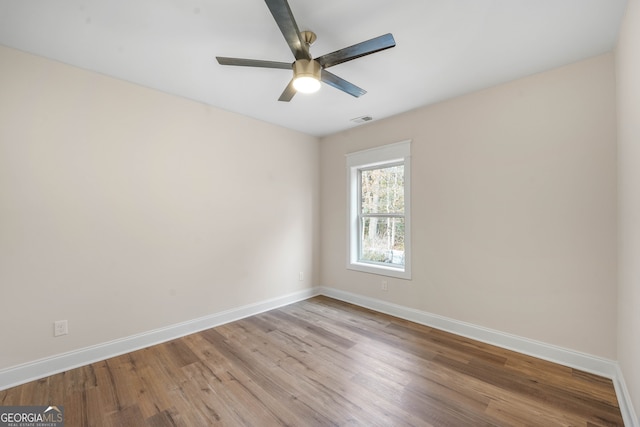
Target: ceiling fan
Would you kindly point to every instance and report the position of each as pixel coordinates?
(307, 71)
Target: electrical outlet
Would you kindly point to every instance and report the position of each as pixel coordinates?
(60, 327)
(301, 276)
(384, 285)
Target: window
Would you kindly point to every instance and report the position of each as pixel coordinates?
(379, 208)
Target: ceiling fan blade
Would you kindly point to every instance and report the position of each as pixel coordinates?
(284, 18)
(223, 60)
(342, 84)
(288, 93)
(357, 50)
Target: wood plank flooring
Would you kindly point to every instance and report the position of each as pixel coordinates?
(322, 362)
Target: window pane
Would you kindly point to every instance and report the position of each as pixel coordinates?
(383, 240)
(382, 190)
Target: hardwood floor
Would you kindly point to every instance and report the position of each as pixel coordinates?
(322, 362)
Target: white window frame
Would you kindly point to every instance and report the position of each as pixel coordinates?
(398, 153)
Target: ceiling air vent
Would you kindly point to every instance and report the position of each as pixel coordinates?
(362, 119)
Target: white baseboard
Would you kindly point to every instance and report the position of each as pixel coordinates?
(624, 400)
(574, 359)
(31, 371)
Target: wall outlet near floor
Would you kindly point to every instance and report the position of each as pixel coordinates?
(384, 285)
(60, 327)
(301, 276)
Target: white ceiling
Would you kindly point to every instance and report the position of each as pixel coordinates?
(444, 48)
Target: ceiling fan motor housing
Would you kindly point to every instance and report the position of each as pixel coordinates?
(307, 68)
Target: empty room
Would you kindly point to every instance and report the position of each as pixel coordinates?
(283, 212)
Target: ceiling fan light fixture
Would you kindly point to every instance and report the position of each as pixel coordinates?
(305, 84)
(306, 75)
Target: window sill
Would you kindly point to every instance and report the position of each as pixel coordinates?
(381, 270)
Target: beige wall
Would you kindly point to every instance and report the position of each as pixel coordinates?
(514, 208)
(628, 79)
(124, 209)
